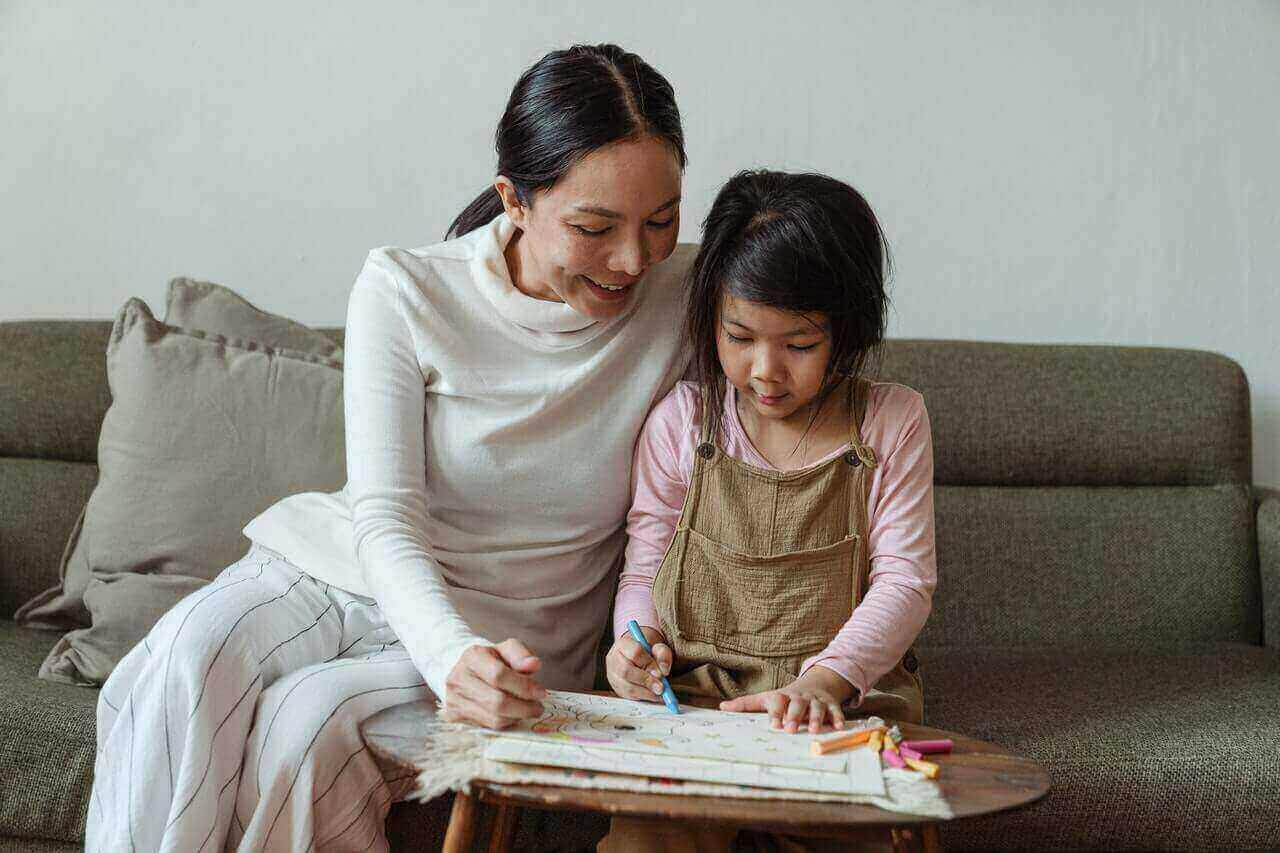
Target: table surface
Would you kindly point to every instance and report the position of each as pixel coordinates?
(976, 778)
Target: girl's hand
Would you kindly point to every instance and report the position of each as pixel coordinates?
(493, 686)
(810, 700)
(632, 672)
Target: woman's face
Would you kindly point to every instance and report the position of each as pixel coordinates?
(588, 239)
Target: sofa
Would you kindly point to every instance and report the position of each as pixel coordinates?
(1108, 604)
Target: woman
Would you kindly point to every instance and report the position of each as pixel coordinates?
(494, 388)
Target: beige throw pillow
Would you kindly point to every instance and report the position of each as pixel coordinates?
(204, 432)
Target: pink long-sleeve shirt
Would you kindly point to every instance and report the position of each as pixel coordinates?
(903, 563)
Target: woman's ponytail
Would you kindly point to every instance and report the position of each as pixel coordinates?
(481, 211)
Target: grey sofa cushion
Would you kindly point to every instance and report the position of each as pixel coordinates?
(1147, 748)
(1057, 415)
(203, 433)
(1157, 565)
(47, 743)
(40, 500)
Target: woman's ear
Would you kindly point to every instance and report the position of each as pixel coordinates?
(516, 211)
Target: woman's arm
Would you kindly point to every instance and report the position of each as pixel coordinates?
(386, 476)
(903, 560)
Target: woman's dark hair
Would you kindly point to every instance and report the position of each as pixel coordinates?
(804, 243)
(567, 105)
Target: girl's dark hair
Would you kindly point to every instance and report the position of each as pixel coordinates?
(804, 243)
(568, 104)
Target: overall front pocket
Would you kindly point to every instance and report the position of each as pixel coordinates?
(779, 606)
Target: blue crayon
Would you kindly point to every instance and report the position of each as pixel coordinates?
(668, 696)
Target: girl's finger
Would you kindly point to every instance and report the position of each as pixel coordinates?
(798, 708)
(837, 715)
(664, 656)
(817, 714)
(777, 704)
(752, 702)
(634, 654)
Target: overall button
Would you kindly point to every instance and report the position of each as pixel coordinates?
(909, 662)
(852, 459)
(706, 450)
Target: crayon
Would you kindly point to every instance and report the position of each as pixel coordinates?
(876, 740)
(892, 758)
(928, 768)
(834, 744)
(908, 752)
(928, 746)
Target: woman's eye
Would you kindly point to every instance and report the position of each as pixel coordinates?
(588, 231)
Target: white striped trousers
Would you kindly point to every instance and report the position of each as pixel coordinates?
(235, 724)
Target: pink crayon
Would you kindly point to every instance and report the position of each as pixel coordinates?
(908, 752)
(928, 746)
(892, 758)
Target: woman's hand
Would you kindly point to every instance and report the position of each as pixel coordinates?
(811, 700)
(632, 672)
(493, 686)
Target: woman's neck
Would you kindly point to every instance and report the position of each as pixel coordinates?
(522, 268)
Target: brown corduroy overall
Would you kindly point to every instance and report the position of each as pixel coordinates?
(764, 569)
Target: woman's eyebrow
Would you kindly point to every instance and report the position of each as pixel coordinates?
(613, 214)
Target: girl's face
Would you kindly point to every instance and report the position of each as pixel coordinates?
(588, 239)
(775, 359)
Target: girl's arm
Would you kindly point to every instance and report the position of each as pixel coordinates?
(386, 476)
(660, 479)
(903, 559)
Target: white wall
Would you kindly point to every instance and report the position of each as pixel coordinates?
(1046, 171)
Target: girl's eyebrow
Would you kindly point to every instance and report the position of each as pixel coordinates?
(794, 333)
(613, 214)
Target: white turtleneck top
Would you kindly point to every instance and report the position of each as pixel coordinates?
(489, 438)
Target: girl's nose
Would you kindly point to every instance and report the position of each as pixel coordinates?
(767, 366)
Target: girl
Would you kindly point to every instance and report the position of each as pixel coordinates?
(465, 559)
(781, 553)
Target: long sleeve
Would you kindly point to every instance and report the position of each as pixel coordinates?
(383, 401)
(903, 559)
(660, 483)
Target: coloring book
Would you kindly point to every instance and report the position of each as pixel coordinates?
(612, 735)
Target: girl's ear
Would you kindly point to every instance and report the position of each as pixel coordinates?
(516, 211)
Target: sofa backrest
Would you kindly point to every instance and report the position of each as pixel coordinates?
(1086, 495)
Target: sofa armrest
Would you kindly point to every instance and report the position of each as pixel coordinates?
(1269, 564)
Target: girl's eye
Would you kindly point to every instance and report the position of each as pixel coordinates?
(666, 223)
(588, 231)
(735, 338)
(803, 349)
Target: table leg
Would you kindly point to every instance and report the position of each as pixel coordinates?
(913, 839)
(504, 828)
(932, 840)
(462, 825)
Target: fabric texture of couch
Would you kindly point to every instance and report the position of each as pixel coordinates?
(1108, 601)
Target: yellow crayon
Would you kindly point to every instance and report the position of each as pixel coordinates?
(875, 741)
(928, 768)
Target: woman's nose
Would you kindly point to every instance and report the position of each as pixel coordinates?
(632, 257)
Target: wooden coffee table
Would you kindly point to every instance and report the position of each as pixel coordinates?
(977, 778)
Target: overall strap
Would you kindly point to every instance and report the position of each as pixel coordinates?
(703, 452)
